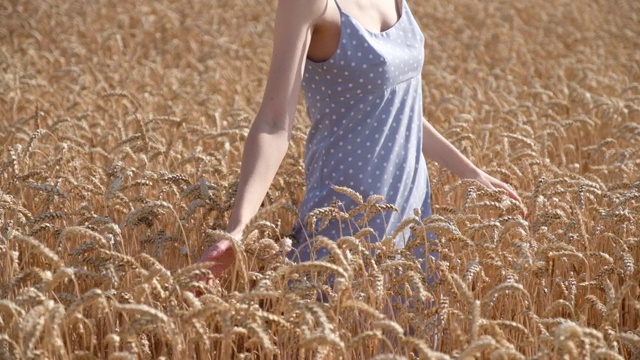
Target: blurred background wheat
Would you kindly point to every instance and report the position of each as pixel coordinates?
(122, 125)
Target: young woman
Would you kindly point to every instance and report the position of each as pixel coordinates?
(359, 63)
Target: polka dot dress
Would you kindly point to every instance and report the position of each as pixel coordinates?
(365, 104)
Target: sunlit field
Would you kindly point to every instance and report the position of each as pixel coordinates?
(122, 125)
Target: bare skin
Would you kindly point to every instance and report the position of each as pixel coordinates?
(311, 29)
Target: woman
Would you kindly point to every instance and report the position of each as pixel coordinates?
(359, 64)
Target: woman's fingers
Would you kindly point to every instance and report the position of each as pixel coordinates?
(512, 194)
(497, 184)
(221, 254)
(492, 183)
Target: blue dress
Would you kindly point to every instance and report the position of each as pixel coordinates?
(365, 106)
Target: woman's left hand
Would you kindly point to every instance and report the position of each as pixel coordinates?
(440, 150)
(491, 182)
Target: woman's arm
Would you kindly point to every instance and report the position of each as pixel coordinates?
(438, 149)
(268, 139)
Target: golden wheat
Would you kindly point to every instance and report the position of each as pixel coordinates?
(122, 134)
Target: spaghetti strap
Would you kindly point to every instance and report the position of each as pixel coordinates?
(400, 9)
(338, 5)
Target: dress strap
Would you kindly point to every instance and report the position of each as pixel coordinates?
(338, 5)
(400, 8)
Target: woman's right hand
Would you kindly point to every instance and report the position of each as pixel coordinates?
(222, 254)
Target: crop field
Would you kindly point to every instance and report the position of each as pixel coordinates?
(122, 125)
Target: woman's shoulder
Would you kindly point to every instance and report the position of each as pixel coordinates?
(310, 11)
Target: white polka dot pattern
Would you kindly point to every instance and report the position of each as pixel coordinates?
(365, 104)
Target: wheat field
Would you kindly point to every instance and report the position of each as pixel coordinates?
(122, 125)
